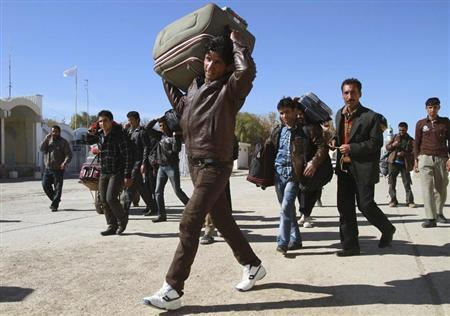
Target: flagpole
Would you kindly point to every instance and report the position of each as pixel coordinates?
(9, 97)
(76, 98)
(87, 102)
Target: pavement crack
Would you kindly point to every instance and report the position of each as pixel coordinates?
(45, 224)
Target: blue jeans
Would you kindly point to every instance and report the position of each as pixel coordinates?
(52, 182)
(173, 174)
(287, 191)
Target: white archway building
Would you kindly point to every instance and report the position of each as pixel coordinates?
(20, 133)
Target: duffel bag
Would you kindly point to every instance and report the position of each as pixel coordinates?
(261, 171)
(90, 175)
(179, 48)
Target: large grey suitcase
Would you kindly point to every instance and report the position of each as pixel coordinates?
(180, 47)
(316, 111)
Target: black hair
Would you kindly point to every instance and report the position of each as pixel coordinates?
(403, 124)
(106, 113)
(134, 114)
(383, 121)
(223, 46)
(352, 81)
(287, 102)
(433, 101)
(57, 127)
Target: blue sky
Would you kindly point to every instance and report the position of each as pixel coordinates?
(398, 49)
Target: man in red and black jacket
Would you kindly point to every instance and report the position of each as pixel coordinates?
(116, 160)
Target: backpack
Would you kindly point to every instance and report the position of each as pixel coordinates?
(261, 171)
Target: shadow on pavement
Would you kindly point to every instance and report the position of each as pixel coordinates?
(13, 293)
(149, 235)
(429, 289)
(77, 210)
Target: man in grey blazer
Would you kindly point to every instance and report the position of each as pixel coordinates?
(358, 139)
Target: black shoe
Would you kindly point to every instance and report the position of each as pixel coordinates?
(282, 249)
(54, 208)
(160, 218)
(429, 223)
(111, 230)
(386, 239)
(206, 239)
(348, 253)
(149, 212)
(441, 219)
(294, 246)
(121, 229)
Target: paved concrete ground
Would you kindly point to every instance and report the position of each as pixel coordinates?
(58, 264)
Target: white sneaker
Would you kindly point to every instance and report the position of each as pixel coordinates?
(250, 276)
(165, 298)
(301, 221)
(308, 223)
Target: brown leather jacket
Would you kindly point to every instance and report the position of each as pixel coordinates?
(408, 153)
(208, 110)
(313, 148)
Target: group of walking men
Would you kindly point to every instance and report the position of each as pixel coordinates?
(208, 114)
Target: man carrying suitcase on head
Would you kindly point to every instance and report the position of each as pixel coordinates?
(208, 116)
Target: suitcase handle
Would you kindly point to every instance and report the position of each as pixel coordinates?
(236, 18)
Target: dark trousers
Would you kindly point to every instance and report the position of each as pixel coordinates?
(52, 183)
(208, 196)
(394, 170)
(138, 186)
(150, 182)
(228, 194)
(347, 190)
(109, 188)
(307, 200)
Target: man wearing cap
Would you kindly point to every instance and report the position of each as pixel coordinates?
(431, 152)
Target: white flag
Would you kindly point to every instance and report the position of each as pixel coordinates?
(71, 72)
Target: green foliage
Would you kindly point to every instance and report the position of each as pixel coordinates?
(83, 120)
(52, 122)
(253, 128)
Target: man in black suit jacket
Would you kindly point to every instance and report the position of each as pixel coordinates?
(359, 139)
